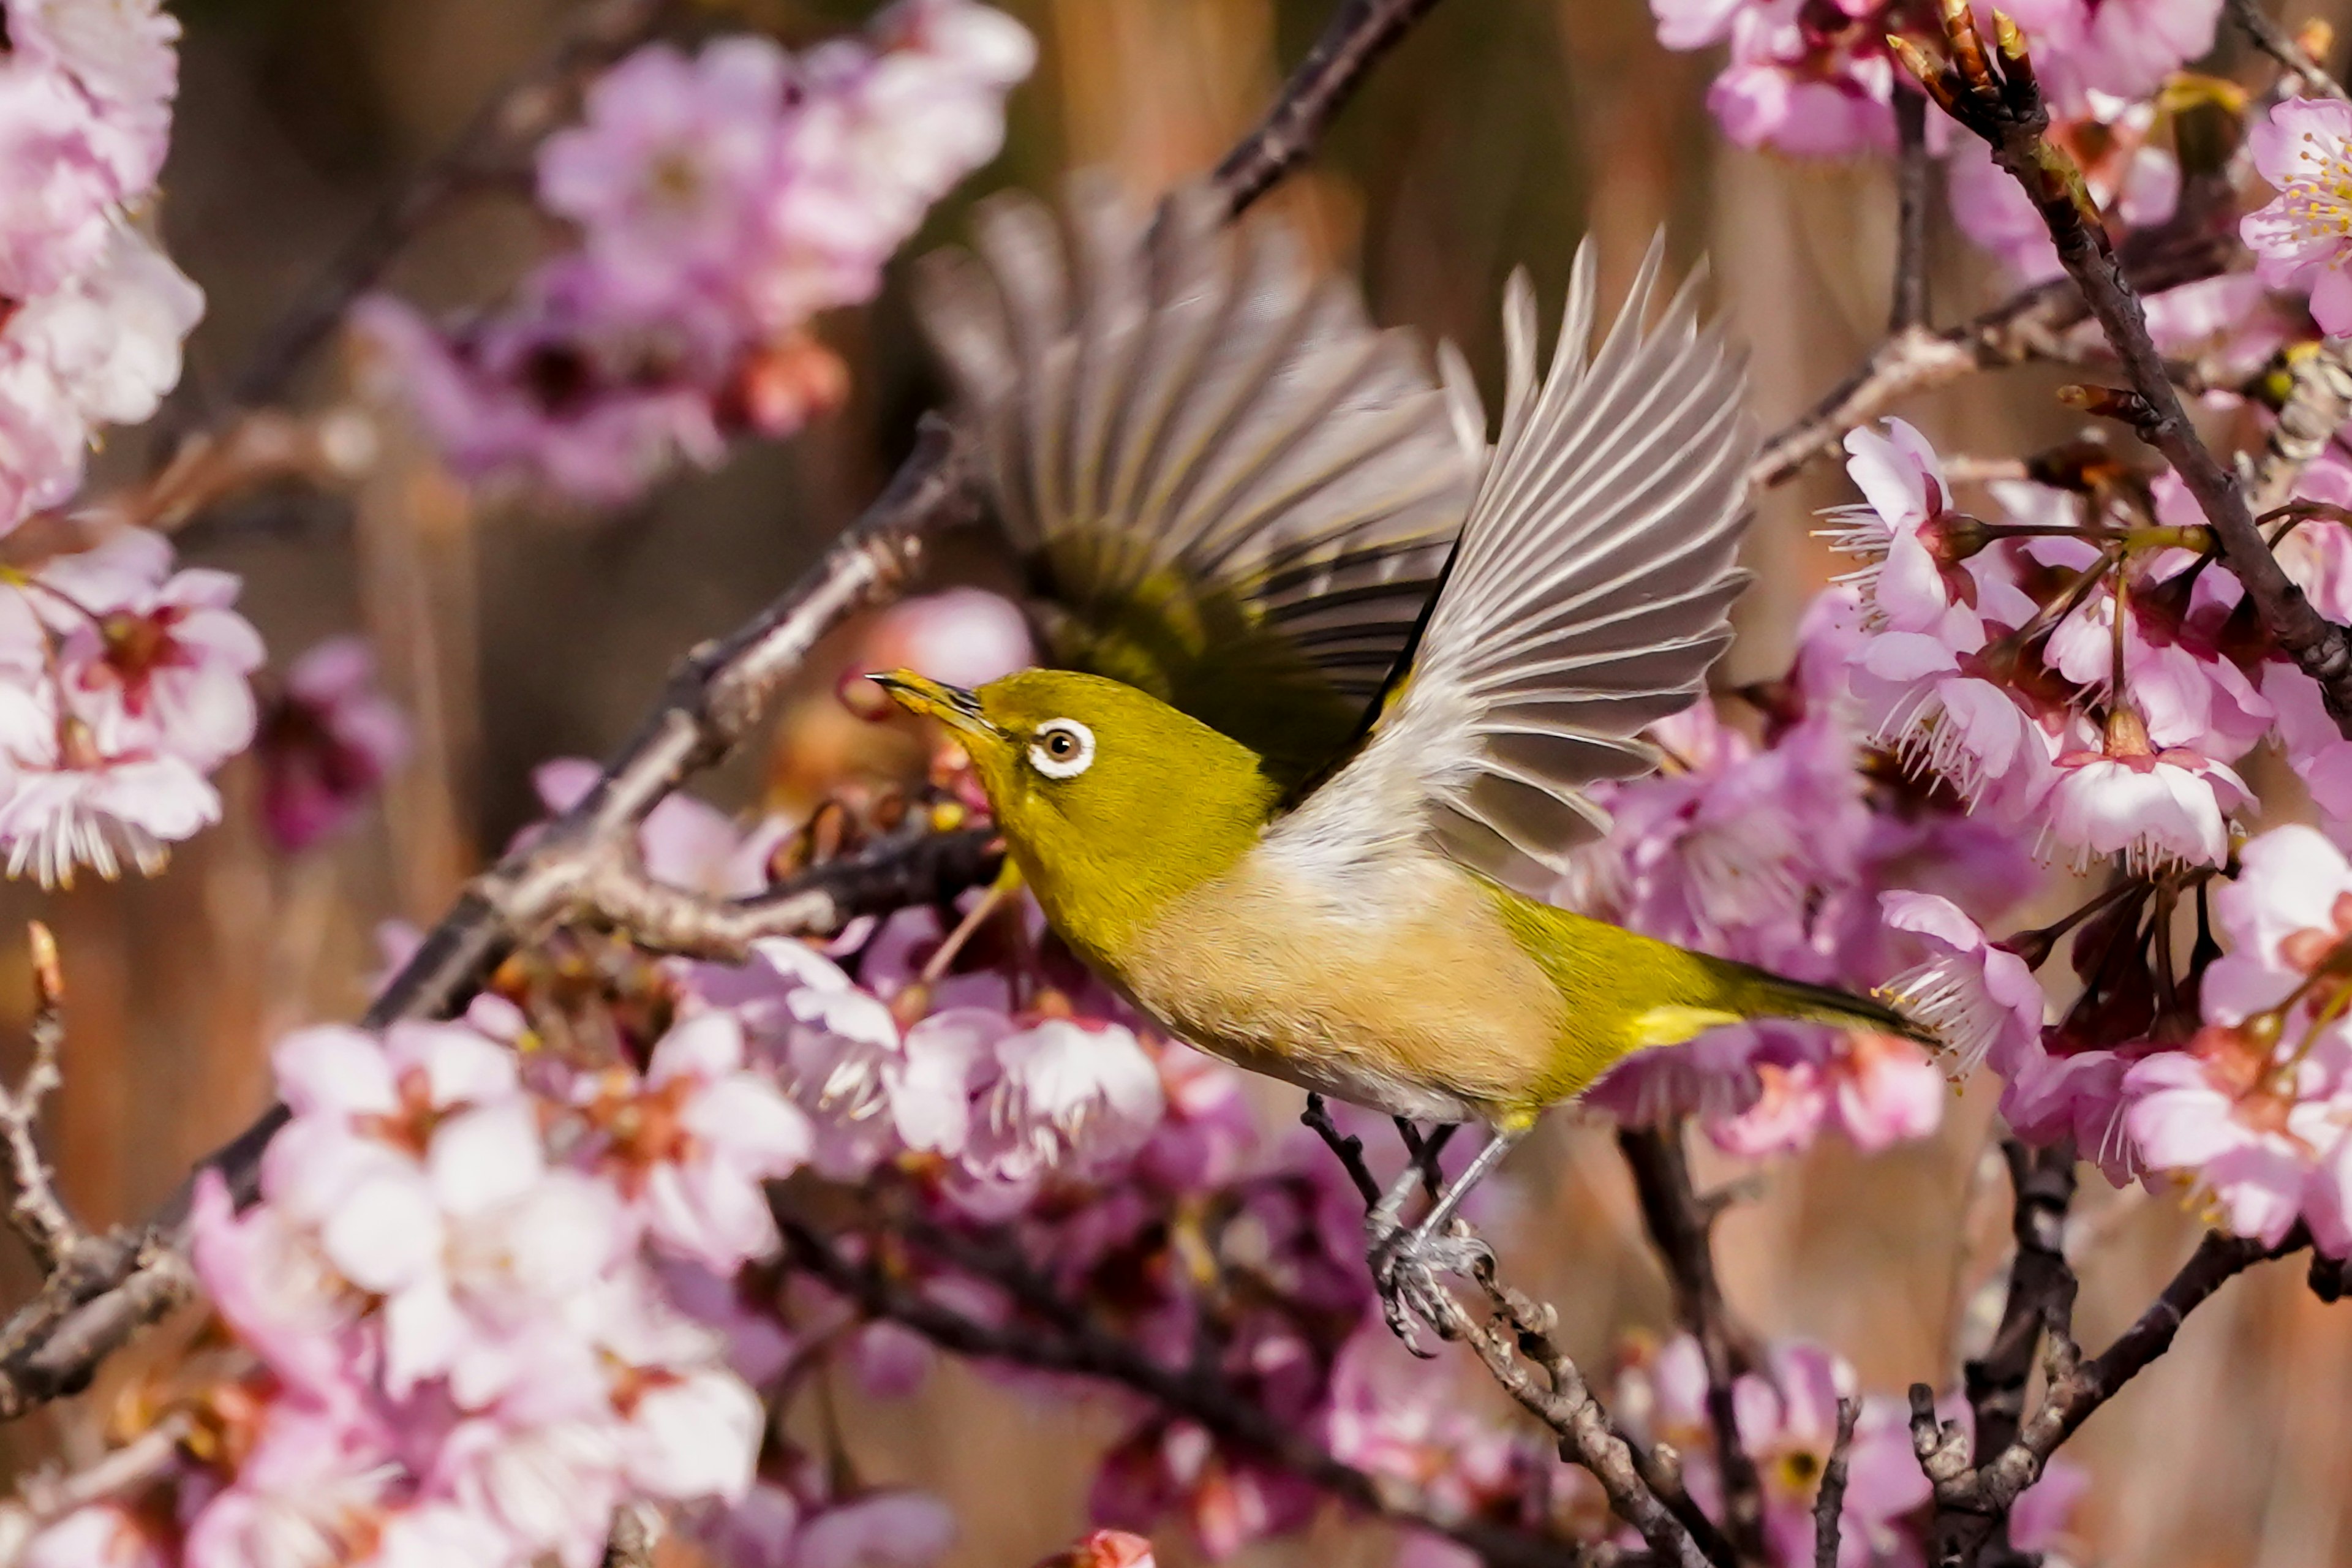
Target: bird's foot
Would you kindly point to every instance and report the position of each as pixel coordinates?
(1406, 1263)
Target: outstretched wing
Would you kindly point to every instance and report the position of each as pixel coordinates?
(1229, 489)
(1586, 601)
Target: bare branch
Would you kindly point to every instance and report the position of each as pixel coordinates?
(1914, 174)
(1973, 1500)
(2029, 325)
(46, 1499)
(2280, 45)
(52, 1344)
(1065, 1343)
(2041, 1288)
(499, 135)
(1561, 1400)
(1829, 1502)
(35, 1210)
(1681, 1226)
(1359, 34)
(2005, 108)
(920, 867)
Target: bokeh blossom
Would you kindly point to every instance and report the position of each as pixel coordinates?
(723, 200)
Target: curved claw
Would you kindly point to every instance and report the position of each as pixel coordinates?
(1405, 1266)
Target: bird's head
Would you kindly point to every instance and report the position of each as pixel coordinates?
(1111, 802)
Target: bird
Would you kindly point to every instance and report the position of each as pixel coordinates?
(1332, 672)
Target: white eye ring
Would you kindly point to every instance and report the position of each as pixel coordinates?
(1062, 749)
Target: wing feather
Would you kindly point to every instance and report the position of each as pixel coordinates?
(1587, 599)
(1231, 489)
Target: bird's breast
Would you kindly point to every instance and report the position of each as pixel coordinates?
(1391, 984)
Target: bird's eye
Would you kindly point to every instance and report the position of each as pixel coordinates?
(1062, 748)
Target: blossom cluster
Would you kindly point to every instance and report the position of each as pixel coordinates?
(723, 200)
(1814, 78)
(92, 312)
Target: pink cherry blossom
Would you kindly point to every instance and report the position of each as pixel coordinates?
(326, 744)
(1067, 1095)
(2153, 808)
(964, 636)
(694, 1141)
(2267, 1152)
(61, 190)
(665, 174)
(2300, 240)
(2078, 1096)
(1981, 1000)
(111, 335)
(123, 55)
(168, 671)
(72, 801)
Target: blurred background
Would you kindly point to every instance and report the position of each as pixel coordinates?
(1500, 132)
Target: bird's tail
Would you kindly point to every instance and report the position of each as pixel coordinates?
(1775, 996)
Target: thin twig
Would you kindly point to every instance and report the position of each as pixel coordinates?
(2028, 325)
(507, 126)
(1681, 1226)
(34, 1208)
(1829, 1502)
(46, 1499)
(1913, 173)
(122, 1282)
(2279, 44)
(2005, 108)
(1358, 35)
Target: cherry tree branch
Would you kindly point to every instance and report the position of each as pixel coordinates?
(499, 134)
(1829, 1502)
(1913, 176)
(1681, 1226)
(34, 1209)
(1515, 1345)
(717, 697)
(2028, 325)
(1972, 1500)
(1065, 1342)
(2004, 108)
(2280, 46)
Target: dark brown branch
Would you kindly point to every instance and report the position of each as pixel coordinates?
(1068, 1346)
(2004, 106)
(1515, 1345)
(1914, 175)
(2029, 325)
(1973, 1500)
(122, 1282)
(504, 130)
(2279, 44)
(2041, 1289)
(1681, 1226)
(1829, 1502)
(1359, 34)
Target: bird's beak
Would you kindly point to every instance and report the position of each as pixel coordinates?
(951, 705)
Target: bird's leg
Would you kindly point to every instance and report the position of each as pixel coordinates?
(1405, 1263)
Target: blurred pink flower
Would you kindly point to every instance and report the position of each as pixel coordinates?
(61, 190)
(100, 1535)
(2301, 239)
(110, 335)
(879, 1530)
(326, 744)
(965, 636)
(124, 55)
(665, 174)
(1876, 1091)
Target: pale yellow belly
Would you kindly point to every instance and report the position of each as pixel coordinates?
(1398, 989)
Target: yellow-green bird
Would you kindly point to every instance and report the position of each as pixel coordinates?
(1340, 671)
